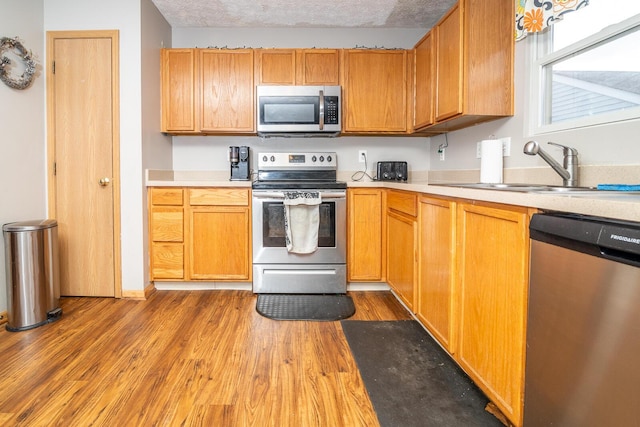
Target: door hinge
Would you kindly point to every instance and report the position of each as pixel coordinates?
(53, 67)
(55, 168)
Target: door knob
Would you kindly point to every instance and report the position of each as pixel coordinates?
(104, 181)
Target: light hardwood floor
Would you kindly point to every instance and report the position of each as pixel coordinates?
(201, 358)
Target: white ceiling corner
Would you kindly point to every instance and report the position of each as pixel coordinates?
(303, 13)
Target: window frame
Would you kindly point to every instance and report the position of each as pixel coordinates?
(539, 59)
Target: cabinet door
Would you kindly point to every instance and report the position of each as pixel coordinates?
(493, 264)
(402, 256)
(435, 304)
(375, 90)
(276, 66)
(365, 238)
(449, 79)
(318, 67)
(219, 248)
(424, 75)
(178, 90)
(227, 90)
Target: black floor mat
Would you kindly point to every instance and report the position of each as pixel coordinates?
(411, 381)
(305, 307)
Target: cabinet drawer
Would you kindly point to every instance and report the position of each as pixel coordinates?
(219, 197)
(166, 196)
(167, 261)
(167, 225)
(402, 202)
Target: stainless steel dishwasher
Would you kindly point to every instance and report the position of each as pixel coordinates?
(583, 330)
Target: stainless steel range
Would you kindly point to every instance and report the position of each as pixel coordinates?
(276, 268)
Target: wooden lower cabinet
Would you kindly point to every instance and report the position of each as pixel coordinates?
(200, 234)
(166, 233)
(492, 260)
(402, 245)
(365, 238)
(435, 306)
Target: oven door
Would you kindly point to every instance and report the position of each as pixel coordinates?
(269, 245)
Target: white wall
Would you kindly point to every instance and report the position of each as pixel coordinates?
(22, 127)
(614, 144)
(156, 147)
(125, 16)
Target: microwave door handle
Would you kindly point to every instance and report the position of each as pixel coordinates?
(321, 120)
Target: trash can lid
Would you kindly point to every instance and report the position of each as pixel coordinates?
(36, 224)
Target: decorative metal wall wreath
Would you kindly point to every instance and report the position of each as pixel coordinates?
(24, 81)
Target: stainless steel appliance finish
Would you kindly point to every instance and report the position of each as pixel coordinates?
(33, 278)
(275, 270)
(583, 333)
(298, 110)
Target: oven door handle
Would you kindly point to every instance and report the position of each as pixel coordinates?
(280, 195)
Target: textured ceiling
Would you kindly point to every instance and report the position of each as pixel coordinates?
(303, 13)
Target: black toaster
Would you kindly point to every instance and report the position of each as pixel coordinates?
(392, 171)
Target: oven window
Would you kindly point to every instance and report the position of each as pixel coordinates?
(273, 225)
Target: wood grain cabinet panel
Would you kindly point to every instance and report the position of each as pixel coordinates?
(375, 90)
(166, 233)
(472, 76)
(207, 238)
(220, 234)
(179, 92)
(227, 91)
(365, 240)
(402, 245)
(424, 82)
(493, 282)
(435, 306)
(307, 67)
(220, 246)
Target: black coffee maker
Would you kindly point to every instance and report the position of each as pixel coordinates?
(239, 159)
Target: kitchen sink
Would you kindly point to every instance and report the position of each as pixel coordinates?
(523, 188)
(548, 189)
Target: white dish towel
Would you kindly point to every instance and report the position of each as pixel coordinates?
(302, 220)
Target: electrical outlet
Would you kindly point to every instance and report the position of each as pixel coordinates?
(362, 156)
(506, 146)
(441, 151)
(478, 151)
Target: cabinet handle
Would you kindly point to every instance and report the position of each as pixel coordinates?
(104, 182)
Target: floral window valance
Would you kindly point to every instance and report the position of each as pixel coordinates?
(533, 16)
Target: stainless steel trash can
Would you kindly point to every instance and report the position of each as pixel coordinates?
(32, 269)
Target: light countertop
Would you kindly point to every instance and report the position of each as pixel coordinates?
(617, 205)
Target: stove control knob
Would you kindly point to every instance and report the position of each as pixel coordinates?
(273, 158)
(329, 158)
(314, 159)
(322, 158)
(264, 158)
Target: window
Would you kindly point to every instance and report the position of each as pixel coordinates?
(586, 69)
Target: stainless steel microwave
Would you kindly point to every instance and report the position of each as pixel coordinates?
(299, 110)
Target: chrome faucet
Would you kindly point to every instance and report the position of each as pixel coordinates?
(568, 171)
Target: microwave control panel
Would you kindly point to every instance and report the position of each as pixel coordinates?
(331, 110)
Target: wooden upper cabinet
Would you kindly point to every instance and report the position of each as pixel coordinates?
(375, 90)
(424, 82)
(448, 34)
(276, 66)
(227, 90)
(318, 67)
(298, 67)
(179, 75)
(473, 70)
